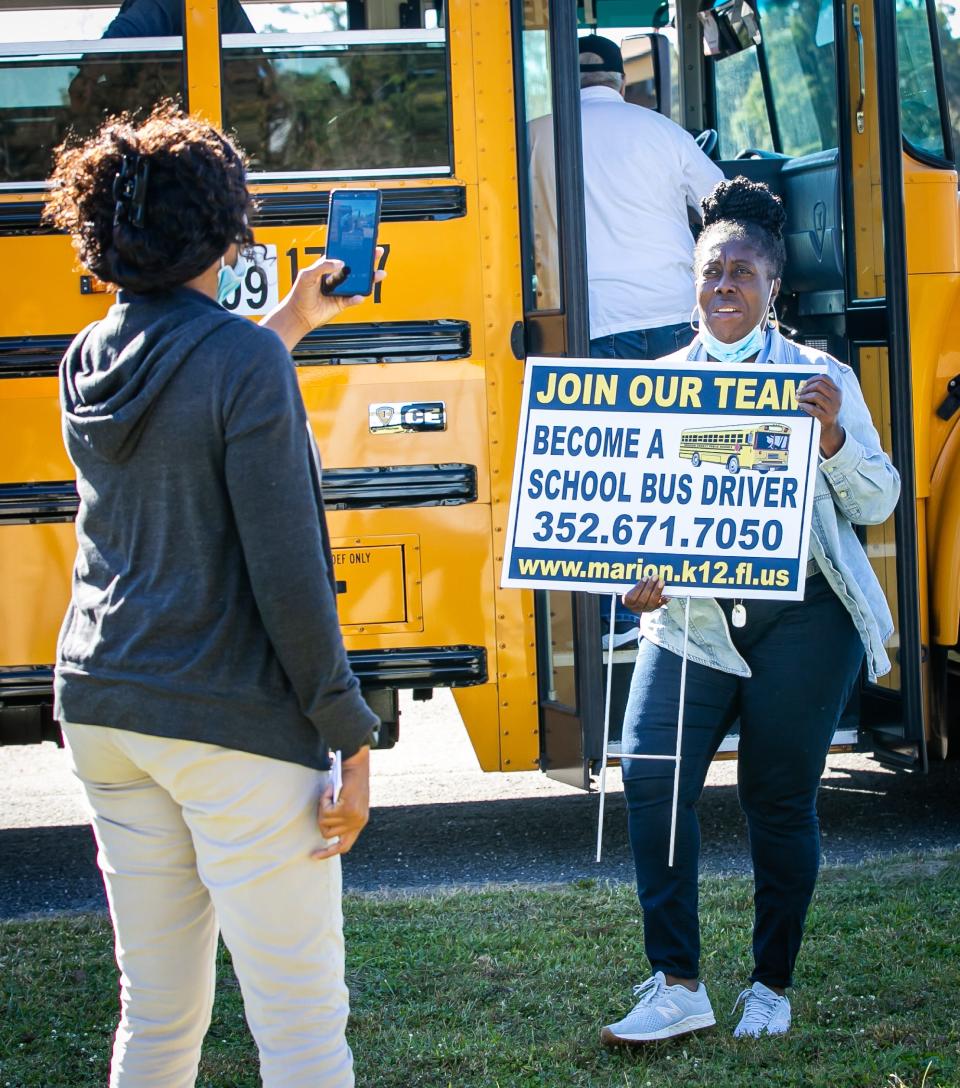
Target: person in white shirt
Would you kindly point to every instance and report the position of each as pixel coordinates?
(641, 171)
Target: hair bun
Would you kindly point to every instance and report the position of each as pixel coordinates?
(745, 201)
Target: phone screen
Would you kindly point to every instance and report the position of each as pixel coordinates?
(352, 237)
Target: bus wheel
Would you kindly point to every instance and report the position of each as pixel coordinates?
(733, 464)
(695, 460)
(763, 469)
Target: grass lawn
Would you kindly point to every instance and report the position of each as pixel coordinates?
(508, 989)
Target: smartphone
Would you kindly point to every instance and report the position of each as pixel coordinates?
(352, 225)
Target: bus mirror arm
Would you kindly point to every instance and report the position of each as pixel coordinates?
(951, 401)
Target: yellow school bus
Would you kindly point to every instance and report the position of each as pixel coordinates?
(415, 396)
(764, 447)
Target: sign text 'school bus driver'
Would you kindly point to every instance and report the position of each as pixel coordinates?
(415, 397)
(763, 447)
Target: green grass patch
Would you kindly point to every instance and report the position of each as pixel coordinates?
(508, 988)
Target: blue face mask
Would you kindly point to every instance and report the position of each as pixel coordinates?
(230, 278)
(740, 350)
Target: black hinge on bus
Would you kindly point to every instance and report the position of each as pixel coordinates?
(952, 400)
(518, 340)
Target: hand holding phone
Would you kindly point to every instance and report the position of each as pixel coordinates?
(307, 305)
(352, 224)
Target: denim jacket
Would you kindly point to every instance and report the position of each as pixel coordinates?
(857, 486)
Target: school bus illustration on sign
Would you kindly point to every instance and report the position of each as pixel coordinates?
(762, 447)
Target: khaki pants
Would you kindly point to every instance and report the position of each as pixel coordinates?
(194, 838)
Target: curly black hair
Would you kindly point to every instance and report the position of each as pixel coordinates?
(748, 210)
(195, 204)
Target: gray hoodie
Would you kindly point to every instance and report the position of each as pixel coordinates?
(203, 602)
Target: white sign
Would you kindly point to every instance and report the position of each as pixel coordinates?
(701, 474)
(259, 291)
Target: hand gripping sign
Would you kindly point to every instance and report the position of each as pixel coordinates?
(701, 474)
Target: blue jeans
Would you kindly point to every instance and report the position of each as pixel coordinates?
(642, 343)
(804, 657)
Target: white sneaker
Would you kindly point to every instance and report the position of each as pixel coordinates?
(661, 1013)
(765, 1012)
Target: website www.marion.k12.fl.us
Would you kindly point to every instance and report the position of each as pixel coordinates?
(745, 574)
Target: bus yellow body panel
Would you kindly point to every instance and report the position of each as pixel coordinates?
(431, 576)
(30, 443)
(416, 577)
(202, 27)
(54, 306)
(35, 566)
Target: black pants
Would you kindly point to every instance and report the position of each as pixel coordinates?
(804, 658)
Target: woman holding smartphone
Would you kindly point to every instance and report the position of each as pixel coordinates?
(201, 677)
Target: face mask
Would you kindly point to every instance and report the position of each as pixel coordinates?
(740, 350)
(230, 278)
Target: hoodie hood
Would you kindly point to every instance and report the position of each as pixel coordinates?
(116, 368)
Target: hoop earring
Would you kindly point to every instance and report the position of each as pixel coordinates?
(695, 312)
(773, 322)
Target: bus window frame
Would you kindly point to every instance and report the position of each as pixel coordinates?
(399, 36)
(87, 48)
(524, 195)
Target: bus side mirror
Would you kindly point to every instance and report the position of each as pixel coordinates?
(729, 26)
(646, 65)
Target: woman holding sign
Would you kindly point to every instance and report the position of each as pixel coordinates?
(786, 669)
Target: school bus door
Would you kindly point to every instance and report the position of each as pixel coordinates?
(570, 660)
(556, 323)
(877, 318)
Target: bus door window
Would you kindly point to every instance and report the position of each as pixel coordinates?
(543, 290)
(559, 684)
(873, 367)
(948, 38)
(336, 89)
(780, 97)
(652, 80)
(923, 126)
(866, 241)
(741, 116)
(67, 67)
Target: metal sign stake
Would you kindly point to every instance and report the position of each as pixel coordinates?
(606, 723)
(606, 731)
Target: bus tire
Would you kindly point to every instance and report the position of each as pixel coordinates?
(695, 460)
(733, 464)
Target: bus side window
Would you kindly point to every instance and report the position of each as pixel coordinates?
(330, 88)
(60, 71)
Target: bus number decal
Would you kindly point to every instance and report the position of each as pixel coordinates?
(259, 291)
(312, 252)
